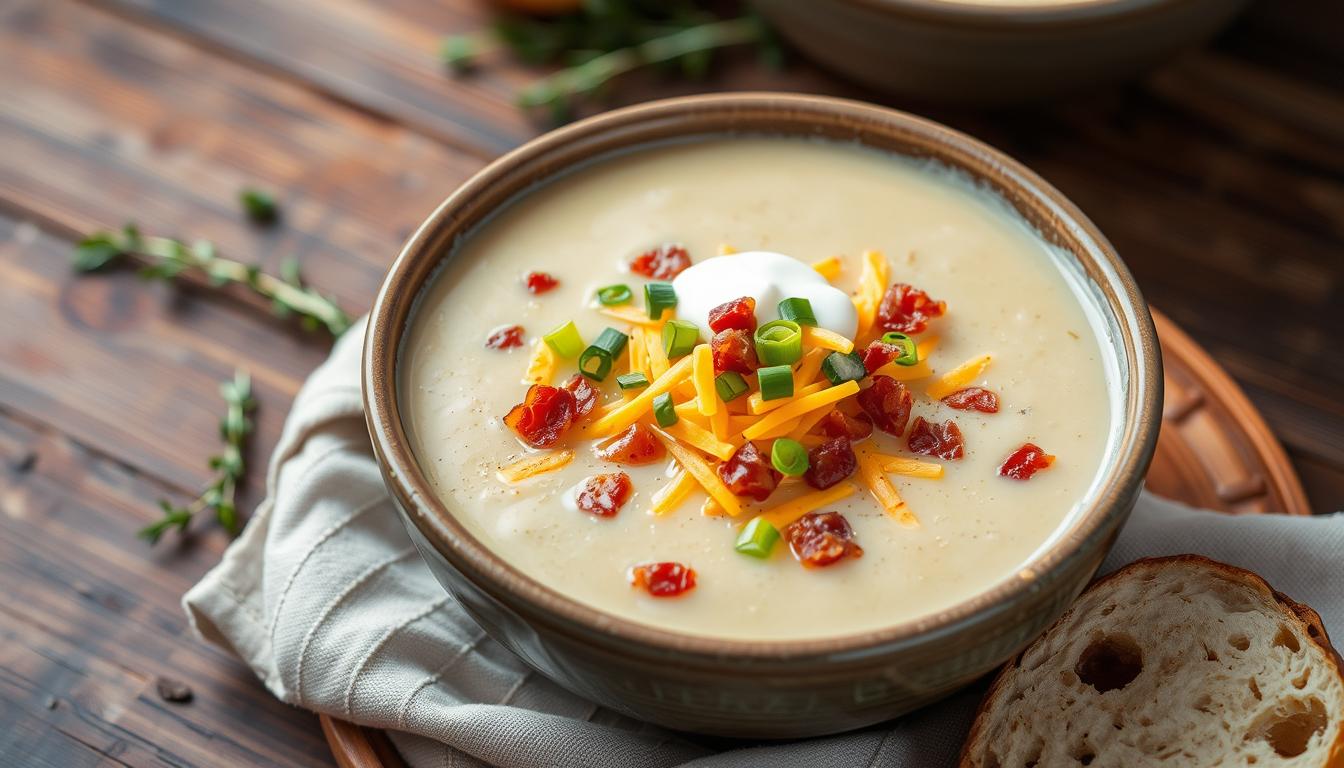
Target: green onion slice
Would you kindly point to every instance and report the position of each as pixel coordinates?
(608, 345)
(839, 367)
(776, 381)
(909, 352)
(679, 337)
(664, 412)
(659, 296)
(632, 381)
(758, 537)
(798, 310)
(779, 342)
(565, 340)
(730, 385)
(614, 294)
(789, 457)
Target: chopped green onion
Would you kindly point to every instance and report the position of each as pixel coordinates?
(839, 367)
(797, 310)
(608, 345)
(632, 381)
(658, 297)
(614, 294)
(664, 411)
(779, 342)
(679, 337)
(565, 340)
(909, 352)
(776, 381)
(730, 385)
(789, 457)
(758, 537)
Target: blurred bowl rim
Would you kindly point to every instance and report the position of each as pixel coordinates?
(1014, 13)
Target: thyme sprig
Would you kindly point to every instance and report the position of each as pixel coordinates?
(219, 494)
(165, 258)
(605, 39)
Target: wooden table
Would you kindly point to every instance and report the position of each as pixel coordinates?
(1220, 178)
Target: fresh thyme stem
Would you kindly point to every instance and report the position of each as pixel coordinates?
(165, 258)
(219, 494)
(587, 77)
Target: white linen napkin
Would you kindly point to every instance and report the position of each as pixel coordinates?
(325, 597)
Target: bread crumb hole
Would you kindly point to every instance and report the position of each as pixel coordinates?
(1301, 680)
(1290, 726)
(1067, 678)
(1255, 689)
(1240, 642)
(1286, 639)
(1110, 662)
(1204, 704)
(1107, 610)
(1209, 653)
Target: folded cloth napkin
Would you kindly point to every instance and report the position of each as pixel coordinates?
(325, 597)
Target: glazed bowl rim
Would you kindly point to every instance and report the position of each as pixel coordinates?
(1112, 495)
(1016, 12)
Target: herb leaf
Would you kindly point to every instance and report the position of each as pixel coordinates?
(259, 205)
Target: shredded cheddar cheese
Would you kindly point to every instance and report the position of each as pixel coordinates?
(870, 469)
(531, 466)
(829, 267)
(872, 284)
(670, 496)
(702, 375)
(635, 317)
(758, 406)
(807, 369)
(903, 465)
(658, 362)
(541, 366)
(815, 337)
(783, 514)
(807, 422)
(702, 472)
(719, 425)
(639, 353)
(697, 436)
(726, 249)
(957, 378)
(920, 370)
(799, 407)
(628, 413)
(711, 508)
(690, 412)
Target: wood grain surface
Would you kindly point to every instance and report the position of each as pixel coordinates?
(1220, 178)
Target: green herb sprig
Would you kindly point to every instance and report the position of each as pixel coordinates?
(166, 259)
(219, 494)
(609, 38)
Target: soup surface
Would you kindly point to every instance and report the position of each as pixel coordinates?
(951, 537)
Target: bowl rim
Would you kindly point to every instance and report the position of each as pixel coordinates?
(1015, 12)
(539, 604)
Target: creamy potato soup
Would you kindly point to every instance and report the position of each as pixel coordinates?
(869, 392)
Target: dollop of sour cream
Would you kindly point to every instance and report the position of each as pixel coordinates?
(768, 278)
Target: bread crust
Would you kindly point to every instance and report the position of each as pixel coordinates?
(1308, 618)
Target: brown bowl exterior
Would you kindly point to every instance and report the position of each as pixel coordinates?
(993, 54)
(743, 688)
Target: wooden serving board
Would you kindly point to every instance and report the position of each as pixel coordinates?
(1215, 451)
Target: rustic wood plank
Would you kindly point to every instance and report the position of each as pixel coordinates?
(89, 619)
(105, 121)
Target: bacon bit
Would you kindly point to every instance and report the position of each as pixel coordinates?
(973, 399)
(819, 539)
(878, 354)
(738, 314)
(662, 263)
(837, 423)
(543, 416)
(636, 445)
(830, 462)
(907, 309)
(733, 350)
(539, 282)
(505, 337)
(585, 396)
(663, 579)
(887, 402)
(748, 472)
(1025, 462)
(604, 495)
(933, 439)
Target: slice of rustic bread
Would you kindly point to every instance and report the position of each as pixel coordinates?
(1174, 662)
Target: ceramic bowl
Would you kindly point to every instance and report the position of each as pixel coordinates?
(774, 689)
(993, 53)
